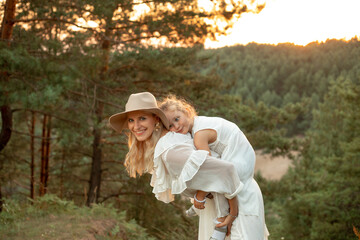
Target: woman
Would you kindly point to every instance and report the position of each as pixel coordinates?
(176, 166)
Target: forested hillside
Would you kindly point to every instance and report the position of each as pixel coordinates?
(283, 74)
(60, 81)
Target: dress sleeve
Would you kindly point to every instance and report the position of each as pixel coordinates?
(202, 123)
(195, 170)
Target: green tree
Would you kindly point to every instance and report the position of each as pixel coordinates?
(58, 34)
(323, 199)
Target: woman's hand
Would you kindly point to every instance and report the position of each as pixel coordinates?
(234, 210)
(229, 219)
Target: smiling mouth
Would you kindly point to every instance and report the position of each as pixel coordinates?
(181, 130)
(139, 132)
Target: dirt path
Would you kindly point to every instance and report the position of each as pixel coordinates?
(272, 168)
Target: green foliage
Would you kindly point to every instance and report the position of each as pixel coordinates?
(53, 218)
(323, 190)
(283, 74)
(268, 91)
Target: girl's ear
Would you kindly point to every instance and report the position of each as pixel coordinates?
(188, 111)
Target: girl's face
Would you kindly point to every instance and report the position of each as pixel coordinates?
(142, 124)
(179, 121)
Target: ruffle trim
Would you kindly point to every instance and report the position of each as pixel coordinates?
(170, 140)
(164, 187)
(237, 191)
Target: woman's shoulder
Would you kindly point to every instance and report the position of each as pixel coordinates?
(170, 140)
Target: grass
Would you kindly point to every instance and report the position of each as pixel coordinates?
(54, 219)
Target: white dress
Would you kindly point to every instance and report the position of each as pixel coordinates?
(232, 146)
(181, 169)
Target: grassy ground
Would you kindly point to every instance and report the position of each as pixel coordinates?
(54, 219)
(61, 227)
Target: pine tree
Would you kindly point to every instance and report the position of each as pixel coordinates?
(323, 199)
(57, 36)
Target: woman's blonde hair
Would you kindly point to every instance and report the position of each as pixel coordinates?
(171, 102)
(140, 158)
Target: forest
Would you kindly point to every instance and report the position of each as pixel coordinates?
(66, 66)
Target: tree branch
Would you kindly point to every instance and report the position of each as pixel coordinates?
(30, 135)
(100, 100)
(52, 20)
(45, 113)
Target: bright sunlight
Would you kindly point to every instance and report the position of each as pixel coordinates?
(295, 21)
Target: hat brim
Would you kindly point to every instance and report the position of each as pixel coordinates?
(118, 121)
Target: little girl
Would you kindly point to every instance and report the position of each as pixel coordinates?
(224, 139)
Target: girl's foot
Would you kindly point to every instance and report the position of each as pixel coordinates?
(191, 212)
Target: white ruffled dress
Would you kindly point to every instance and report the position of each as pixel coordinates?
(181, 169)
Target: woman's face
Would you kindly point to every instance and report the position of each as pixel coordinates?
(179, 121)
(142, 124)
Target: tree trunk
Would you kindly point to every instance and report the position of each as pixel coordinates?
(95, 178)
(8, 23)
(6, 115)
(6, 33)
(1, 200)
(45, 152)
(62, 174)
(42, 164)
(32, 149)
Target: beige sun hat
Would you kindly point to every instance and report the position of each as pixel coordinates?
(143, 101)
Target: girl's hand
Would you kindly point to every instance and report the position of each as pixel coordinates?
(199, 199)
(199, 205)
(227, 222)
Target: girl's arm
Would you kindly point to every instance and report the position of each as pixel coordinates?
(199, 200)
(202, 139)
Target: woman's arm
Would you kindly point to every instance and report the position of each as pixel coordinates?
(199, 171)
(234, 209)
(229, 219)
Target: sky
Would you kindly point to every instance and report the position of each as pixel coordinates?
(295, 21)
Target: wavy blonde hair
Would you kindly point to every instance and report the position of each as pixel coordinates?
(140, 158)
(171, 102)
